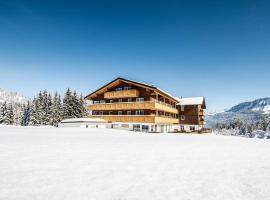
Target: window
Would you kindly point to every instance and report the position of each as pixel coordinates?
(95, 112)
(183, 117)
(119, 100)
(102, 101)
(96, 102)
(118, 89)
(182, 108)
(139, 99)
(120, 112)
(139, 112)
(111, 101)
(136, 127)
(128, 112)
(182, 128)
(129, 100)
(145, 128)
(127, 88)
(110, 112)
(100, 112)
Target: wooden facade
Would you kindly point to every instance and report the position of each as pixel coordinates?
(128, 101)
(123, 100)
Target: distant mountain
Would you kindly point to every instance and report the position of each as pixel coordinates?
(12, 97)
(248, 111)
(258, 105)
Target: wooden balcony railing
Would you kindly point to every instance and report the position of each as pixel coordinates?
(138, 119)
(121, 94)
(201, 112)
(151, 105)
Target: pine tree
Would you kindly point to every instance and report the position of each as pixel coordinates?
(82, 107)
(10, 114)
(4, 114)
(26, 114)
(68, 111)
(48, 108)
(56, 110)
(34, 118)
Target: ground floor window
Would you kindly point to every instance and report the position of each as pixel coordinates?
(145, 127)
(182, 128)
(136, 127)
(192, 128)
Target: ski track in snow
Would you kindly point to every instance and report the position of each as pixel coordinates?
(54, 163)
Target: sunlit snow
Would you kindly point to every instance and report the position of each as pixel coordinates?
(54, 163)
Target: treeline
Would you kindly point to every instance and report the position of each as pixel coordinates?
(44, 109)
(244, 127)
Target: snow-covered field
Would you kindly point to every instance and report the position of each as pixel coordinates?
(75, 164)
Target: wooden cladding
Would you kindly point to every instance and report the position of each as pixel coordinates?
(138, 119)
(121, 94)
(201, 122)
(150, 105)
(201, 113)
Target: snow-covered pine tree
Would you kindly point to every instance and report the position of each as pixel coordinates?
(18, 113)
(56, 110)
(82, 107)
(34, 118)
(40, 113)
(74, 104)
(5, 115)
(48, 109)
(3, 108)
(26, 114)
(68, 111)
(10, 114)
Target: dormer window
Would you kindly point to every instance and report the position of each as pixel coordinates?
(118, 89)
(127, 88)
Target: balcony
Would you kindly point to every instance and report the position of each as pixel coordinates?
(150, 105)
(201, 112)
(121, 94)
(138, 119)
(201, 121)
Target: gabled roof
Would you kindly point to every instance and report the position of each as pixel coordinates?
(132, 82)
(192, 101)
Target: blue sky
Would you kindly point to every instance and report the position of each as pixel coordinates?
(216, 49)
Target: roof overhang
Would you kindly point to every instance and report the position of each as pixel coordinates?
(116, 81)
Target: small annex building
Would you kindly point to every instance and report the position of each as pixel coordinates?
(83, 123)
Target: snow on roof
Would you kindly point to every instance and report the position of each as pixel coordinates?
(191, 101)
(93, 120)
(168, 94)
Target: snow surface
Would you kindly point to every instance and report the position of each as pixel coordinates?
(266, 109)
(42, 163)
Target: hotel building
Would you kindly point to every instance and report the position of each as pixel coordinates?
(137, 106)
